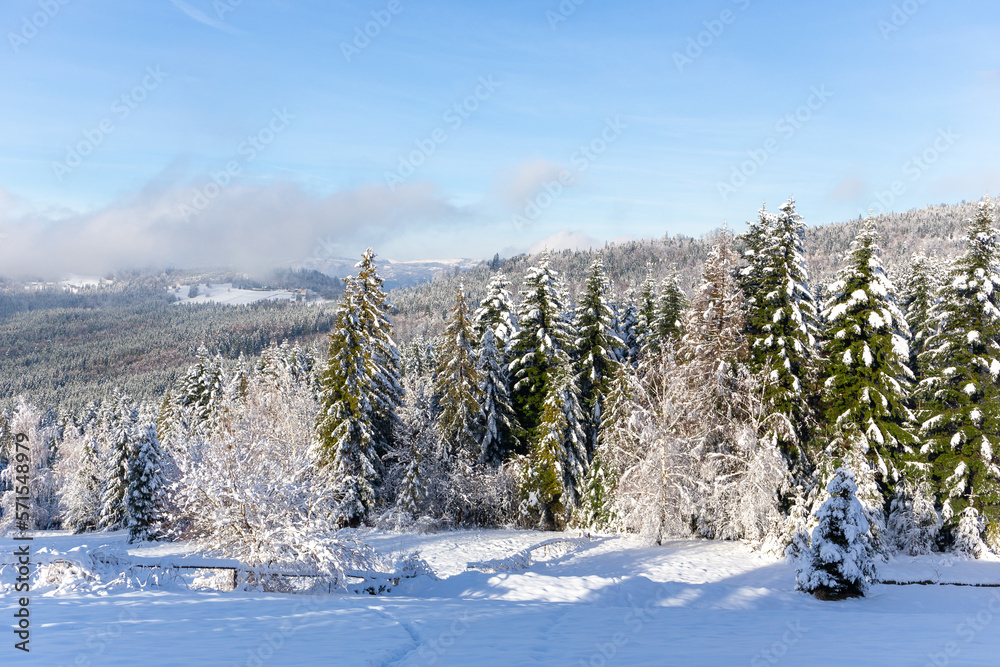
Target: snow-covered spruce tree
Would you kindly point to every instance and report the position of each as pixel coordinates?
(540, 346)
(646, 331)
(617, 450)
(781, 326)
(344, 446)
(81, 501)
(373, 317)
(496, 313)
(119, 439)
(201, 387)
(419, 448)
(670, 307)
(598, 350)
(145, 497)
(457, 382)
(713, 342)
(499, 420)
(866, 379)
(919, 297)
(961, 394)
(838, 564)
(626, 326)
(557, 464)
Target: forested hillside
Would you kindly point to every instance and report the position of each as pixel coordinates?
(420, 309)
(64, 348)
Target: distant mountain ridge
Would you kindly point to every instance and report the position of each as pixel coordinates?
(396, 274)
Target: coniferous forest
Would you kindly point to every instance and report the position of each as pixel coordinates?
(740, 400)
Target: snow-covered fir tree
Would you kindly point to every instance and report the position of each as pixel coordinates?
(961, 393)
(646, 330)
(420, 449)
(627, 326)
(146, 488)
(373, 308)
(866, 379)
(838, 564)
(120, 437)
(713, 340)
(920, 286)
(344, 445)
(201, 387)
(540, 346)
(496, 313)
(558, 460)
(781, 324)
(598, 349)
(499, 420)
(460, 420)
(670, 307)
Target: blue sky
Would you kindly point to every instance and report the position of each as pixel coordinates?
(693, 134)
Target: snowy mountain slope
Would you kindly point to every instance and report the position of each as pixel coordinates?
(610, 601)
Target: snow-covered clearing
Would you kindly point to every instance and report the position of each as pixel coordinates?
(605, 601)
(226, 293)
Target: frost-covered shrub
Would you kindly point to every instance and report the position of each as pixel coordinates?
(913, 524)
(838, 564)
(968, 534)
(43, 491)
(247, 487)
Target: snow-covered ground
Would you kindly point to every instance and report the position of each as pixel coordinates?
(605, 601)
(226, 293)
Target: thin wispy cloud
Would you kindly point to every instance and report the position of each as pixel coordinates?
(202, 17)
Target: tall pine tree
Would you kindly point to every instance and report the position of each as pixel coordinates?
(499, 420)
(540, 346)
(781, 324)
(598, 349)
(962, 388)
(344, 443)
(866, 377)
(460, 420)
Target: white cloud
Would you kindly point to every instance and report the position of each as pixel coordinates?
(252, 227)
(515, 186)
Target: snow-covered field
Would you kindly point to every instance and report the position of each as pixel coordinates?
(226, 293)
(605, 601)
